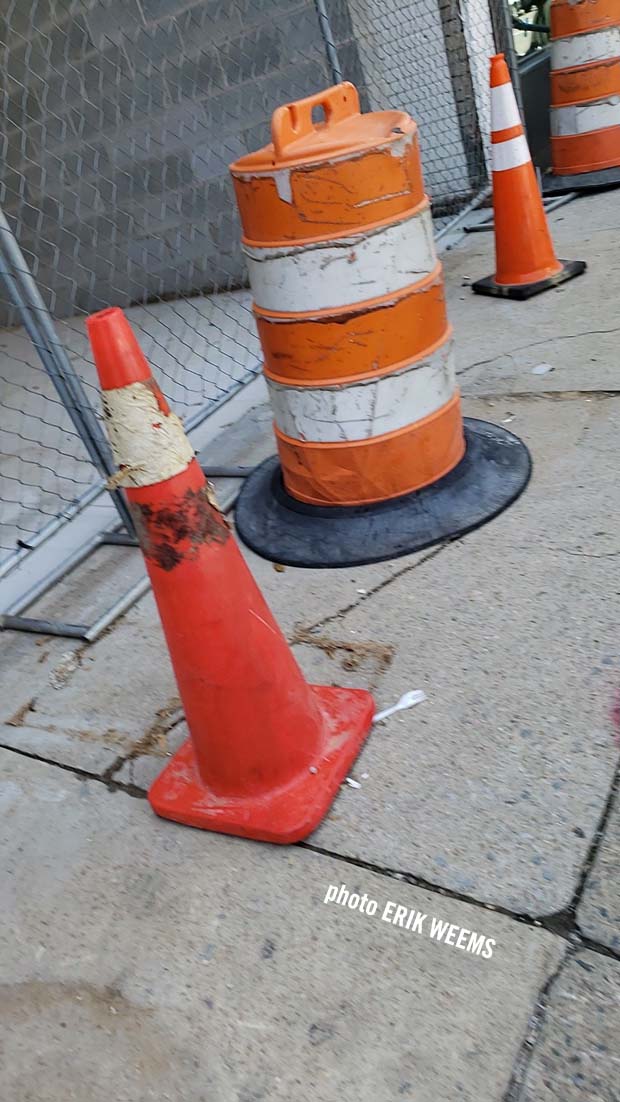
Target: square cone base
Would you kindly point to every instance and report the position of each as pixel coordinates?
(488, 286)
(288, 813)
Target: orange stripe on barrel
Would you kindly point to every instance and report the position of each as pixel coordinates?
(596, 80)
(325, 199)
(383, 467)
(568, 17)
(575, 153)
(366, 339)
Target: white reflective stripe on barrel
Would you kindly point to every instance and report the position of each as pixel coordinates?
(581, 118)
(580, 49)
(344, 271)
(362, 410)
(510, 154)
(504, 110)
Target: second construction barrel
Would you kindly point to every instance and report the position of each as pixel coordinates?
(350, 309)
(585, 86)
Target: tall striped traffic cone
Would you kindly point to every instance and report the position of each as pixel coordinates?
(267, 751)
(585, 94)
(375, 460)
(525, 260)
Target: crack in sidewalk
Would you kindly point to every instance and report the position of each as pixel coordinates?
(582, 554)
(328, 619)
(153, 740)
(539, 344)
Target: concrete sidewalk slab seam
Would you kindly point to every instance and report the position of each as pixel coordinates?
(83, 774)
(575, 1055)
(598, 910)
(222, 955)
(610, 807)
(546, 396)
(563, 926)
(534, 1031)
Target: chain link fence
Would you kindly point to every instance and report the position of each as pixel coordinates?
(119, 119)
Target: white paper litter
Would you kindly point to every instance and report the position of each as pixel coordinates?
(352, 783)
(69, 663)
(541, 369)
(407, 700)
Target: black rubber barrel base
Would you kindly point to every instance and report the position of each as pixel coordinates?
(488, 286)
(493, 473)
(580, 181)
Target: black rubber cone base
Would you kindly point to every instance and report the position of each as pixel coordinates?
(493, 473)
(580, 181)
(488, 286)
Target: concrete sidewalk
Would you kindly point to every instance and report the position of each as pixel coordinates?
(142, 960)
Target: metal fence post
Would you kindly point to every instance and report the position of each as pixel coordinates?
(464, 93)
(38, 323)
(328, 38)
(501, 20)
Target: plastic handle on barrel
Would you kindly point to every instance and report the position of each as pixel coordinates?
(294, 120)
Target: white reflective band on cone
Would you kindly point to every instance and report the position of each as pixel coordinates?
(579, 49)
(344, 271)
(510, 154)
(504, 110)
(581, 118)
(359, 411)
(149, 446)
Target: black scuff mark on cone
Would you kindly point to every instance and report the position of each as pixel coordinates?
(175, 533)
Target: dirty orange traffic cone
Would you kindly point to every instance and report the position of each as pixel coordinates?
(525, 260)
(585, 94)
(267, 751)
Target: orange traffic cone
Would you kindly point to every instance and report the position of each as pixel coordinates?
(267, 751)
(525, 260)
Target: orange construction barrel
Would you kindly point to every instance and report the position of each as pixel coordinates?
(585, 92)
(358, 353)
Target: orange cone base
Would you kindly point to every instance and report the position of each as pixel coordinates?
(489, 286)
(290, 812)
